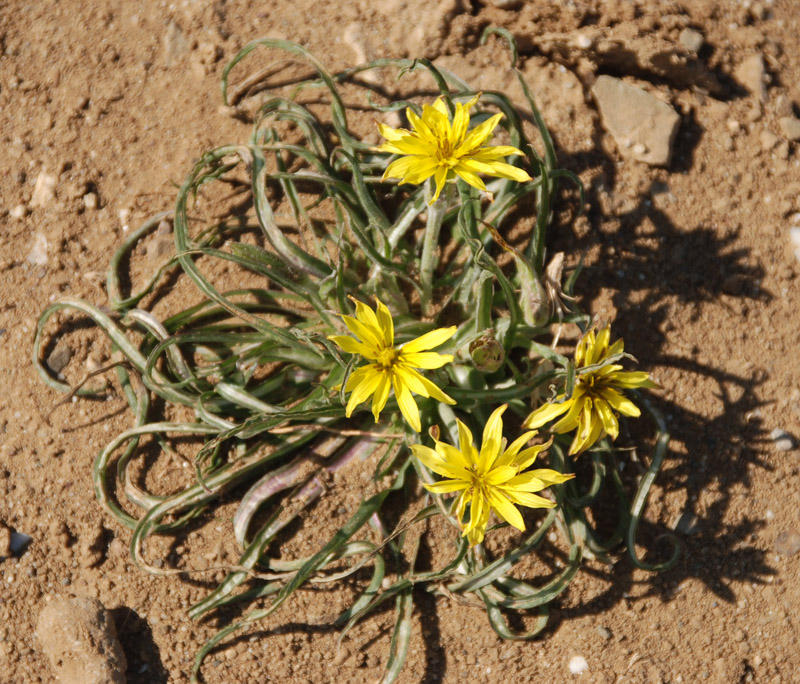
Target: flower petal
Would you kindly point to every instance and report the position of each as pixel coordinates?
(352, 346)
(607, 417)
(634, 379)
(440, 176)
(505, 509)
(433, 460)
(365, 334)
(493, 168)
(362, 391)
(385, 322)
(529, 500)
(526, 457)
(620, 403)
(429, 340)
(426, 360)
(493, 430)
(546, 412)
(446, 486)
(477, 136)
(381, 395)
(408, 407)
(421, 385)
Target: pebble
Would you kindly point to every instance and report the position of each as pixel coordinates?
(18, 212)
(79, 639)
(176, 45)
(768, 140)
(643, 126)
(59, 357)
(38, 254)
(19, 542)
(783, 440)
(692, 40)
(790, 127)
(506, 4)
(788, 543)
(578, 665)
(90, 200)
(794, 238)
(752, 75)
(604, 632)
(44, 191)
(783, 106)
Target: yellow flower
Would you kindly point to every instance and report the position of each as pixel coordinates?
(436, 147)
(492, 479)
(596, 400)
(394, 367)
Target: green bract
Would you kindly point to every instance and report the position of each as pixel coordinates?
(266, 386)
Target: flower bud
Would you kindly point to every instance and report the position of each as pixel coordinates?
(487, 353)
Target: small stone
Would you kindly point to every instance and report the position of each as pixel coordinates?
(506, 4)
(788, 543)
(59, 357)
(18, 212)
(783, 106)
(783, 440)
(692, 40)
(790, 127)
(578, 665)
(19, 542)
(90, 200)
(752, 75)
(754, 113)
(38, 254)
(768, 140)
(583, 41)
(79, 639)
(635, 117)
(757, 11)
(639, 149)
(44, 191)
(604, 632)
(176, 45)
(794, 238)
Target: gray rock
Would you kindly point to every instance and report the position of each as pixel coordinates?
(783, 440)
(643, 126)
(19, 542)
(59, 357)
(753, 76)
(788, 543)
(692, 40)
(790, 127)
(79, 639)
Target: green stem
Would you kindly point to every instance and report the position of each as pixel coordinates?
(430, 244)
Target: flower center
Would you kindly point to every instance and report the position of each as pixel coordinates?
(387, 357)
(445, 153)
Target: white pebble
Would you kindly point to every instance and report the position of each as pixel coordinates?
(18, 212)
(794, 236)
(583, 42)
(578, 665)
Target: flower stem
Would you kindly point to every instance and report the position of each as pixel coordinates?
(430, 244)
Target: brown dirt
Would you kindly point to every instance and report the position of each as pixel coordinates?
(692, 263)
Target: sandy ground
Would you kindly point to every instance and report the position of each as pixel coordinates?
(692, 262)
